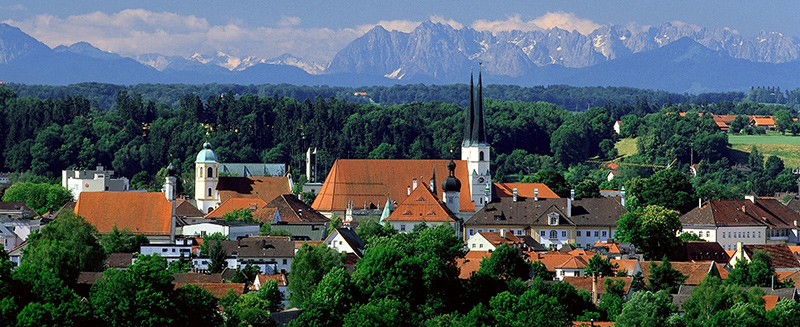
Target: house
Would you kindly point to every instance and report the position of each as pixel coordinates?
(234, 229)
(489, 241)
(551, 222)
(287, 212)
(15, 254)
(561, 263)
(271, 254)
(172, 251)
(526, 190)
(147, 213)
(16, 210)
(750, 221)
(471, 262)
(119, 261)
(618, 127)
(211, 188)
(585, 283)
(15, 231)
(783, 259)
(345, 240)
(229, 205)
(574, 266)
(771, 296)
(421, 206)
(252, 170)
(724, 121)
(614, 250)
(279, 278)
(764, 122)
(630, 266)
(364, 183)
(612, 171)
(706, 251)
(98, 180)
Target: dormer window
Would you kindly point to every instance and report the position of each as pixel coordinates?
(553, 219)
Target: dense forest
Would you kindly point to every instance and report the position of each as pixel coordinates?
(48, 129)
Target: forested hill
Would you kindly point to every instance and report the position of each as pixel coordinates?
(104, 96)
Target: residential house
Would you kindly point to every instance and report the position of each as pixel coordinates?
(271, 254)
(551, 222)
(489, 241)
(764, 122)
(630, 266)
(561, 263)
(724, 121)
(345, 240)
(614, 250)
(171, 251)
(618, 127)
(783, 259)
(98, 180)
(147, 213)
(695, 272)
(15, 231)
(287, 212)
(16, 210)
(471, 262)
(280, 279)
(750, 221)
(706, 251)
(229, 205)
(119, 260)
(421, 206)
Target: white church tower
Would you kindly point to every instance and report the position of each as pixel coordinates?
(475, 148)
(206, 177)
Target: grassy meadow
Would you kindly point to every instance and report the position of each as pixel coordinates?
(786, 147)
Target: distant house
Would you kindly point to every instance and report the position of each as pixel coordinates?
(234, 229)
(706, 251)
(618, 126)
(231, 204)
(16, 210)
(287, 212)
(471, 262)
(271, 254)
(489, 241)
(421, 206)
(279, 278)
(724, 121)
(750, 221)
(766, 123)
(264, 188)
(148, 213)
(629, 266)
(783, 259)
(218, 290)
(345, 240)
(98, 180)
(695, 272)
(170, 251)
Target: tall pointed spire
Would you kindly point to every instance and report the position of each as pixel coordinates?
(478, 120)
(433, 181)
(470, 112)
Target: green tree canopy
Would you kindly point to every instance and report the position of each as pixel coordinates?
(664, 277)
(647, 309)
(600, 266)
(505, 263)
(653, 230)
(41, 197)
(122, 241)
(310, 264)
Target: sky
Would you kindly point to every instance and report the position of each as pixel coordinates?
(316, 30)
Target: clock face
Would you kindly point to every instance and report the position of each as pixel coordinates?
(481, 180)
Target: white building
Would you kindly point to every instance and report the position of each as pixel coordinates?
(234, 229)
(98, 180)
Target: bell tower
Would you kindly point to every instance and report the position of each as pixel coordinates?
(475, 149)
(206, 177)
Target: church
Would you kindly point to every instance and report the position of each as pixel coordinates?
(357, 188)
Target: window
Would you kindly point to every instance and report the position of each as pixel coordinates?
(588, 246)
(163, 250)
(708, 234)
(748, 234)
(518, 232)
(605, 233)
(578, 233)
(209, 192)
(759, 234)
(284, 261)
(723, 234)
(480, 246)
(473, 245)
(210, 172)
(491, 230)
(480, 156)
(541, 233)
(553, 234)
(595, 233)
(471, 232)
(563, 233)
(173, 250)
(402, 228)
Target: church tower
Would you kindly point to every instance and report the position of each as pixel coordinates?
(206, 177)
(475, 148)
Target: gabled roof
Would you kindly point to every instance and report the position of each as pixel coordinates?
(368, 181)
(229, 205)
(526, 211)
(551, 260)
(351, 238)
(523, 189)
(147, 213)
(21, 207)
(782, 256)
(741, 212)
(119, 260)
(218, 290)
(470, 263)
(421, 204)
(706, 251)
(585, 283)
(627, 265)
(264, 188)
(575, 262)
(763, 121)
(292, 210)
(279, 278)
(187, 209)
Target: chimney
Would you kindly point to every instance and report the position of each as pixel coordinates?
(572, 194)
(514, 191)
(569, 207)
(536, 194)
(699, 203)
(752, 198)
(622, 194)
(414, 183)
(408, 190)
(502, 233)
(594, 288)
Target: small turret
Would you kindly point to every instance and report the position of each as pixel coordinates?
(451, 187)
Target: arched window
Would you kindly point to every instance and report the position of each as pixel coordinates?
(209, 192)
(553, 234)
(210, 209)
(480, 156)
(210, 172)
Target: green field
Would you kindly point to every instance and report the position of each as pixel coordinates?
(786, 147)
(626, 147)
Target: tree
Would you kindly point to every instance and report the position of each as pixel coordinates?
(139, 295)
(686, 237)
(67, 245)
(505, 263)
(773, 166)
(540, 271)
(332, 299)
(246, 310)
(246, 275)
(664, 277)
(40, 197)
(310, 264)
(122, 241)
(371, 227)
(335, 222)
(380, 312)
(758, 272)
(784, 313)
(217, 258)
(243, 214)
(646, 309)
(667, 188)
(552, 180)
(195, 307)
(600, 266)
(611, 301)
(587, 189)
(532, 308)
(270, 293)
(653, 230)
(182, 265)
(208, 239)
(711, 297)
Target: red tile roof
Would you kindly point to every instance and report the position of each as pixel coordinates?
(264, 188)
(763, 121)
(292, 210)
(551, 260)
(470, 263)
(523, 190)
(575, 262)
(421, 205)
(147, 213)
(229, 205)
(280, 278)
(741, 212)
(495, 239)
(695, 272)
(782, 256)
(627, 265)
(770, 301)
(365, 181)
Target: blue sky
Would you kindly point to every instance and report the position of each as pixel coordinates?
(316, 30)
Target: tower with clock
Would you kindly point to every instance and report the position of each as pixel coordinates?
(475, 149)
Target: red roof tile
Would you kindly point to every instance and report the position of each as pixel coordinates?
(217, 289)
(495, 239)
(470, 263)
(280, 278)
(421, 205)
(524, 190)
(576, 262)
(695, 272)
(782, 256)
(147, 213)
(264, 188)
(292, 210)
(365, 181)
(229, 205)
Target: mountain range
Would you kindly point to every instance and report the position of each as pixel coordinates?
(672, 57)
